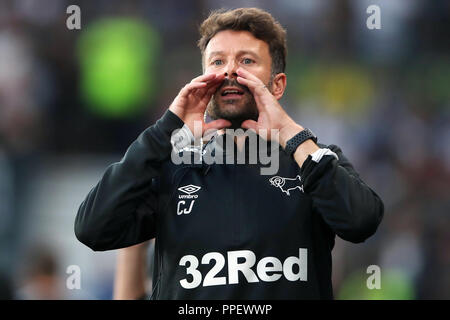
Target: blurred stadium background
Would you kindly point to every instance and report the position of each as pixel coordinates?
(71, 101)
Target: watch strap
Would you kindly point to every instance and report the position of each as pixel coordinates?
(293, 143)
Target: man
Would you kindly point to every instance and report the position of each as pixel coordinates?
(226, 231)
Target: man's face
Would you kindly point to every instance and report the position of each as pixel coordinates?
(225, 53)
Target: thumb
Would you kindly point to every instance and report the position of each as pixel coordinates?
(217, 124)
(250, 124)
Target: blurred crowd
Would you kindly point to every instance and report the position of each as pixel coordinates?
(382, 95)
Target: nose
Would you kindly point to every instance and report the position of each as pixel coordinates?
(230, 70)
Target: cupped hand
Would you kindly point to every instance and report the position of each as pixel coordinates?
(271, 113)
(191, 102)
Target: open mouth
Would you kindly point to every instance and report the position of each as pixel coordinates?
(232, 93)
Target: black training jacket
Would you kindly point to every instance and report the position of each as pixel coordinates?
(225, 231)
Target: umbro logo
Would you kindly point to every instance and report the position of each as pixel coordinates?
(185, 206)
(189, 189)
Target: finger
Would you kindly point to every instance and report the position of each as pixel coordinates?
(217, 124)
(204, 77)
(210, 78)
(259, 90)
(211, 86)
(208, 90)
(212, 89)
(250, 124)
(217, 80)
(220, 77)
(254, 86)
(190, 87)
(251, 80)
(246, 82)
(248, 75)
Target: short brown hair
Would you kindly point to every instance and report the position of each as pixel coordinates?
(258, 22)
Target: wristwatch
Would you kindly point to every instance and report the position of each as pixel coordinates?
(293, 143)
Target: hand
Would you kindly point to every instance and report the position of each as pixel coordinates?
(191, 102)
(271, 114)
(130, 278)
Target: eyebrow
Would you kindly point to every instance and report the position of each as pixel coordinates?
(240, 53)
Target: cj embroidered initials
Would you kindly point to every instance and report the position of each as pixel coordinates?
(181, 205)
(185, 206)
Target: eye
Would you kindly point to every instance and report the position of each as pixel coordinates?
(247, 61)
(217, 62)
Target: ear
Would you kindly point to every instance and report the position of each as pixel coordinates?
(279, 85)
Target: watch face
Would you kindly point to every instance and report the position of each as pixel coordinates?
(313, 136)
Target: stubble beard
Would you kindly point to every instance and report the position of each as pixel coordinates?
(234, 110)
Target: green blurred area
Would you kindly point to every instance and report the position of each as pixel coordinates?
(427, 82)
(337, 86)
(395, 285)
(118, 61)
(346, 87)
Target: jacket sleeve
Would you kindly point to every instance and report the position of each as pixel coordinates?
(347, 205)
(120, 210)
